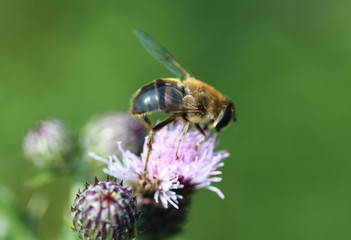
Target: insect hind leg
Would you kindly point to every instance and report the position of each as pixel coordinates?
(146, 121)
(154, 129)
(158, 127)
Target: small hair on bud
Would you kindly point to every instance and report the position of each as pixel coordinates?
(121, 183)
(107, 178)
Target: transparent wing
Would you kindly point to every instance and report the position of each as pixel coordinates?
(161, 54)
(171, 100)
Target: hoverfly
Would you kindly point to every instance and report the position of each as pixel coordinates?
(186, 98)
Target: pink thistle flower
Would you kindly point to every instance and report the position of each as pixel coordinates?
(194, 168)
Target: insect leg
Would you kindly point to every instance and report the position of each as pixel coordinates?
(185, 129)
(146, 121)
(199, 128)
(151, 133)
(158, 127)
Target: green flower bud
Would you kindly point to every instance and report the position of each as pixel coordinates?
(105, 210)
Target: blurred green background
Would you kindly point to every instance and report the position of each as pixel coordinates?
(285, 64)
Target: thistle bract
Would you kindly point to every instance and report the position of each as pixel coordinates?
(105, 210)
(158, 222)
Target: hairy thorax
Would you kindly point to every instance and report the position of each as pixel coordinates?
(205, 97)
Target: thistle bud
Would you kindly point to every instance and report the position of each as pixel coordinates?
(105, 210)
(49, 144)
(102, 133)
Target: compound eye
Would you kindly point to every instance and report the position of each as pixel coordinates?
(225, 118)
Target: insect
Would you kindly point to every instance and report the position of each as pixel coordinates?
(189, 100)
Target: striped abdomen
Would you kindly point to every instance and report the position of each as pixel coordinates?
(158, 96)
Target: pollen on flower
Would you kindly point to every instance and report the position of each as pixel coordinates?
(195, 167)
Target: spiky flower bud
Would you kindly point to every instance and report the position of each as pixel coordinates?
(49, 144)
(102, 133)
(105, 210)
